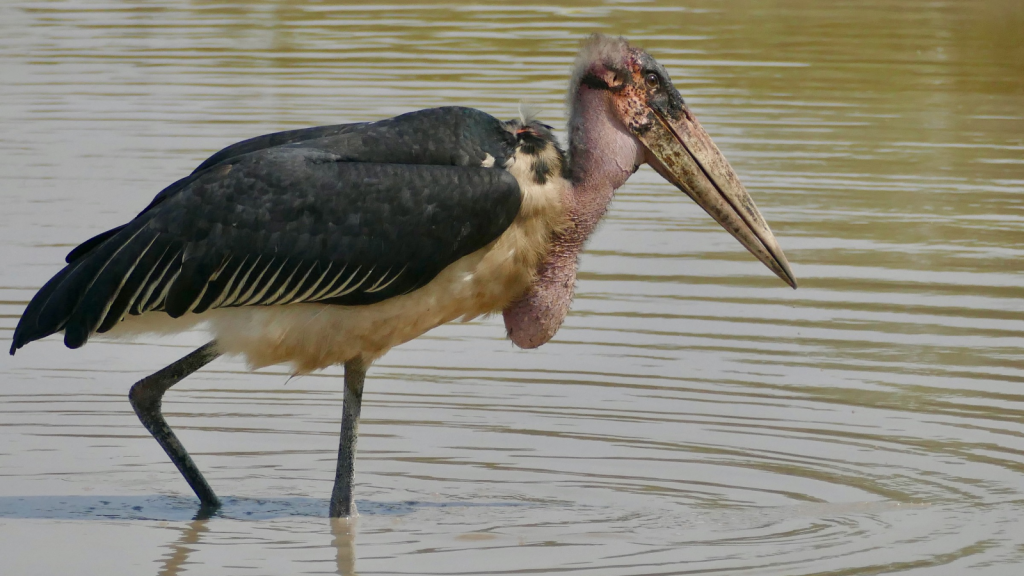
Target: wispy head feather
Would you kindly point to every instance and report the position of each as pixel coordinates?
(528, 112)
(596, 49)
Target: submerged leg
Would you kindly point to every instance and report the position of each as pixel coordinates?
(146, 396)
(342, 502)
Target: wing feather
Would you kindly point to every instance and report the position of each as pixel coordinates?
(247, 297)
(306, 295)
(378, 287)
(310, 216)
(228, 288)
(130, 293)
(99, 292)
(216, 284)
(333, 287)
(284, 287)
(121, 297)
(257, 298)
(155, 292)
(242, 284)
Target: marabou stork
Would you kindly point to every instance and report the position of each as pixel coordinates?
(331, 245)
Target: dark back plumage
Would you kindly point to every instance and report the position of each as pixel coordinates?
(349, 214)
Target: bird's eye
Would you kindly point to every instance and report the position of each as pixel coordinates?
(652, 80)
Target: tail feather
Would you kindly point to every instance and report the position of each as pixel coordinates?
(32, 326)
(94, 291)
(50, 309)
(87, 246)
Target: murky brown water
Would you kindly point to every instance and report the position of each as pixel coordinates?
(693, 416)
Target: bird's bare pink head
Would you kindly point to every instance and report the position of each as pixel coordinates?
(635, 94)
(624, 111)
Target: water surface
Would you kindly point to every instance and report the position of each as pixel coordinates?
(693, 416)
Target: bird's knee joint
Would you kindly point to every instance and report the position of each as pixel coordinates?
(144, 398)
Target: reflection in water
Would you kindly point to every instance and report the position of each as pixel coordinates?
(177, 557)
(691, 416)
(344, 531)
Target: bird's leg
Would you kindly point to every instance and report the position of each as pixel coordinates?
(342, 502)
(146, 396)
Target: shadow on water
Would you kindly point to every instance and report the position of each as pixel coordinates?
(183, 509)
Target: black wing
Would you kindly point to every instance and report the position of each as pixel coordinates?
(448, 136)
(356, 217)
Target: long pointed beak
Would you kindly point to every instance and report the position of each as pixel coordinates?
(683, 153)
